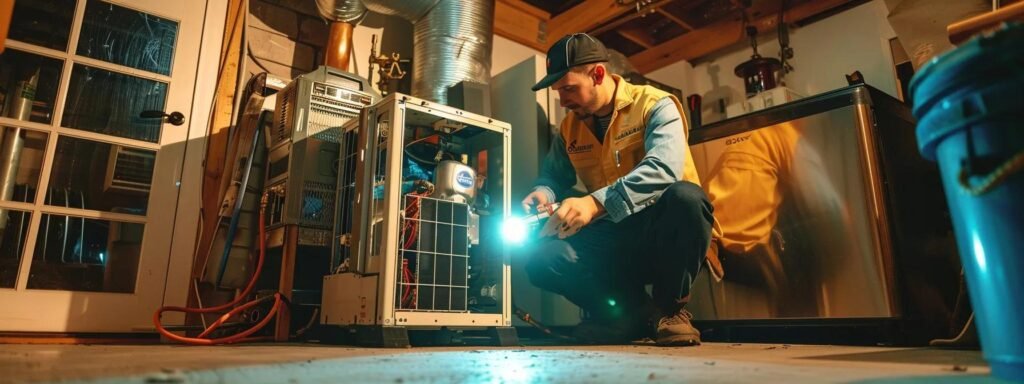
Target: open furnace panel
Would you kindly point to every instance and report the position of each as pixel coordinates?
(422, 189)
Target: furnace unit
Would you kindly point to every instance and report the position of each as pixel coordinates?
(303, 143)
(422, 189)
(303, 149)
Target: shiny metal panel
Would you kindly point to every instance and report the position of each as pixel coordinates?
(804, 227)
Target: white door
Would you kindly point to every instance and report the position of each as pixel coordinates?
(89, 187)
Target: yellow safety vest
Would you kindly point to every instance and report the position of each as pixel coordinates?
(600, 163)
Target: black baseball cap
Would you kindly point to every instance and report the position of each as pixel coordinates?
(570, 51)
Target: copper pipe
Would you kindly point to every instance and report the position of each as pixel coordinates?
(339, 45)
(962, 30)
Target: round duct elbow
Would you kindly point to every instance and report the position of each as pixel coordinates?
(411, 10)
(348, 11)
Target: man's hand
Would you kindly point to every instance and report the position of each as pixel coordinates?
(574, 214)
(534, 201)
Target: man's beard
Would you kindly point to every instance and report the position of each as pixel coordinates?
(582, 112)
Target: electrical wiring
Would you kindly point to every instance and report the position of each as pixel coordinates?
(202, 339)
(527, 318)
(409, 231)
(309, 325)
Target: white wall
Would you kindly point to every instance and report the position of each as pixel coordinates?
(680, 75)
(856, 39)
(506, 53)
(394, 34)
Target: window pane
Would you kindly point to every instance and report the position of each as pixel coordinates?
(105, 177)
(13, 230)
(79, 254)
(28, 85)
(45, 23)
(127, 37)
(109, 103)
(21, 158)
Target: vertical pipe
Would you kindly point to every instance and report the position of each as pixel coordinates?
(339, 45)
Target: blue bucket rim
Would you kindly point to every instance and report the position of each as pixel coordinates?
(944, 79)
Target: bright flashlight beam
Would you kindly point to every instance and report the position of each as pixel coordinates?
(513, 230)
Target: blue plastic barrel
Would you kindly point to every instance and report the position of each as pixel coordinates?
(970, 112)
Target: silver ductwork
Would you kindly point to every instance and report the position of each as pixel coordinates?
(452, 43)
(411, 10)
(451, 40)
(348, 11)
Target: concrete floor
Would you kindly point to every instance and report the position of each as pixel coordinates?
(299, 363)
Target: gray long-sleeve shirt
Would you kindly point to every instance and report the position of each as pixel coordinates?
(665, 143)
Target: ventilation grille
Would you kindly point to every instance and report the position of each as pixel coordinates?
(281, 130)
(331, 107)
(317, 205)
(130, 169)
(434, 249)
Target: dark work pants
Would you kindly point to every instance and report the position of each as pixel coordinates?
(603, 269)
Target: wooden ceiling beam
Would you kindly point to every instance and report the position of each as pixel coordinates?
(528, 8)
(719, 35)
(627, 18)
(637, 35)
(586, 16)
(675, 19)
(522, 23)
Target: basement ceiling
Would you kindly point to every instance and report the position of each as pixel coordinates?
(655, 33)
(554, 7)
(661, 21)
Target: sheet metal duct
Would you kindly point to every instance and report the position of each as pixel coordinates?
(346, 11)
(411, 10)
(451, 39)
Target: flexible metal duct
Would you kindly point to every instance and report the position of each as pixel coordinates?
(348, 11)
(452, 43)
(411, 10)
(451, 40)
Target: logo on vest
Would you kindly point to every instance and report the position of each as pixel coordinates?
(627, 133)
(737, 140)
(572, 148)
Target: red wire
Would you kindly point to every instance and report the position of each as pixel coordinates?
(411, 228)
(407, 276)
(240, 337)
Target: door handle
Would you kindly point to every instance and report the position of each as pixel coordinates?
(175, 118)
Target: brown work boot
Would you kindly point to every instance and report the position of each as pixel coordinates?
(676, 330)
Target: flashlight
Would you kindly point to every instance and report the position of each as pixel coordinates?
(542, 213)
(515, 229)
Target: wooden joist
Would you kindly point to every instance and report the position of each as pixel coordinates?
(522, 23)
(722, 34)
(585, 17)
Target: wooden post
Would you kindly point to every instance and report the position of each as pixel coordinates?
(217, 148)
(287, 281)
